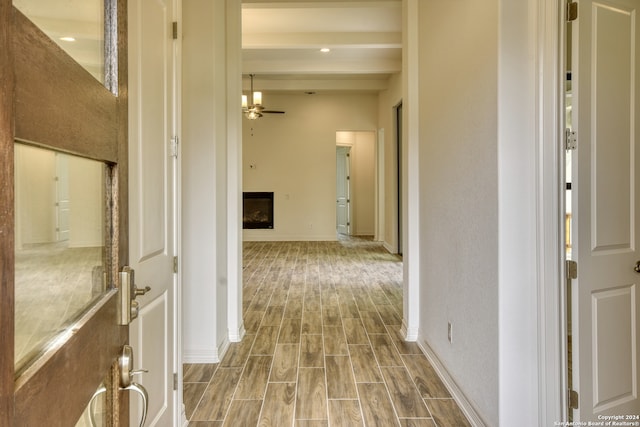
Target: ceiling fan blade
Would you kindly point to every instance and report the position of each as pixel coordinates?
(272, 112)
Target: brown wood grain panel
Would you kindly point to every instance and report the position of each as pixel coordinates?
(311, 353)
(6, 216)
(345, 413)
(340, 381)
(217, 398)
(123, 133)
(376, 405)
(57, 102)
(73, 370)
(335, 342)
(446, 413)
(425, 377)
(311, 401)
(290, 331)
(404, 394)
(285, 363)
(253, 382)
(244, 412)
(365, 367)
(237, 353)
(278, 405)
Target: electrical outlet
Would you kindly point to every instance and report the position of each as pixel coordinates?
(449, 332)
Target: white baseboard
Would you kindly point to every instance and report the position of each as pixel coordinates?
(288, 238)
(237, 335)
(409, 334)
(208, 355)
(184, 421)
(457, 394)
(388, 247)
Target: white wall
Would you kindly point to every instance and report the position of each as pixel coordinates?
(204, 180)
(294, 156)
(459, 193)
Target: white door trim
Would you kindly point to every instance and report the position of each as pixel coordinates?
(179, 410)
(531, 369)
(234, 166)
(552, 366)
(380, 225)
(411, 175)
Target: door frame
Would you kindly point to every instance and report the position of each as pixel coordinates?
(7, 250)
(552, 362)
(531, 348)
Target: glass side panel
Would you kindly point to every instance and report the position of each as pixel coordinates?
(59, 244)
(77, 26)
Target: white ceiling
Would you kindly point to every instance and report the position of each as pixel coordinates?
(281, 43)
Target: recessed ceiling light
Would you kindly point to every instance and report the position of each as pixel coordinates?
(68, 39)
(325, 50)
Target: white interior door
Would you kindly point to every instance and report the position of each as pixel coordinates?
(151, 204)
(342, 189)
(605, 190)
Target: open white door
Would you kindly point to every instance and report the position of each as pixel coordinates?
(606, 186)
(342, 189)
(151, 204)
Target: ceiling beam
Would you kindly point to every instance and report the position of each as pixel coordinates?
(302, 84)
(270, 4)
(345, 66)
(318, 40)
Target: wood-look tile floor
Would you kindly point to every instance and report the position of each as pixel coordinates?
(322, 347)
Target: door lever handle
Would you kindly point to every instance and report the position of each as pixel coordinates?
(145, 399)
(637, 267)
(138, 388)
(137, 291)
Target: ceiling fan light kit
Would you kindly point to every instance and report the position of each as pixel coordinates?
(254, 110)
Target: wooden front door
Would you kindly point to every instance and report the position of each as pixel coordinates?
(49, 102)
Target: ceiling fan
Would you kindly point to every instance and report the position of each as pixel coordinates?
(255, 110)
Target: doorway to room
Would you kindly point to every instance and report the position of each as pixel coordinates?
(356, 183)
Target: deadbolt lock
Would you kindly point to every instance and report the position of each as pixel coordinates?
(129, 307)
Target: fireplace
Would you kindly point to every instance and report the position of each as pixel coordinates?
(257, 210)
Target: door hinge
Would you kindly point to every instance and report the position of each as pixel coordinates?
(175, 264)
(174, 146)
(572, 11)
(175, 381)
(571, 268)
(174, 28)
(572, 399)
(570, 139)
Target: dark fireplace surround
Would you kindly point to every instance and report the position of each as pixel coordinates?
(257, 210)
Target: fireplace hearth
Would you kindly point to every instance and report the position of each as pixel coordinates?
(257, 210)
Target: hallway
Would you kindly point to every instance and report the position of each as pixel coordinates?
(322, 346)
